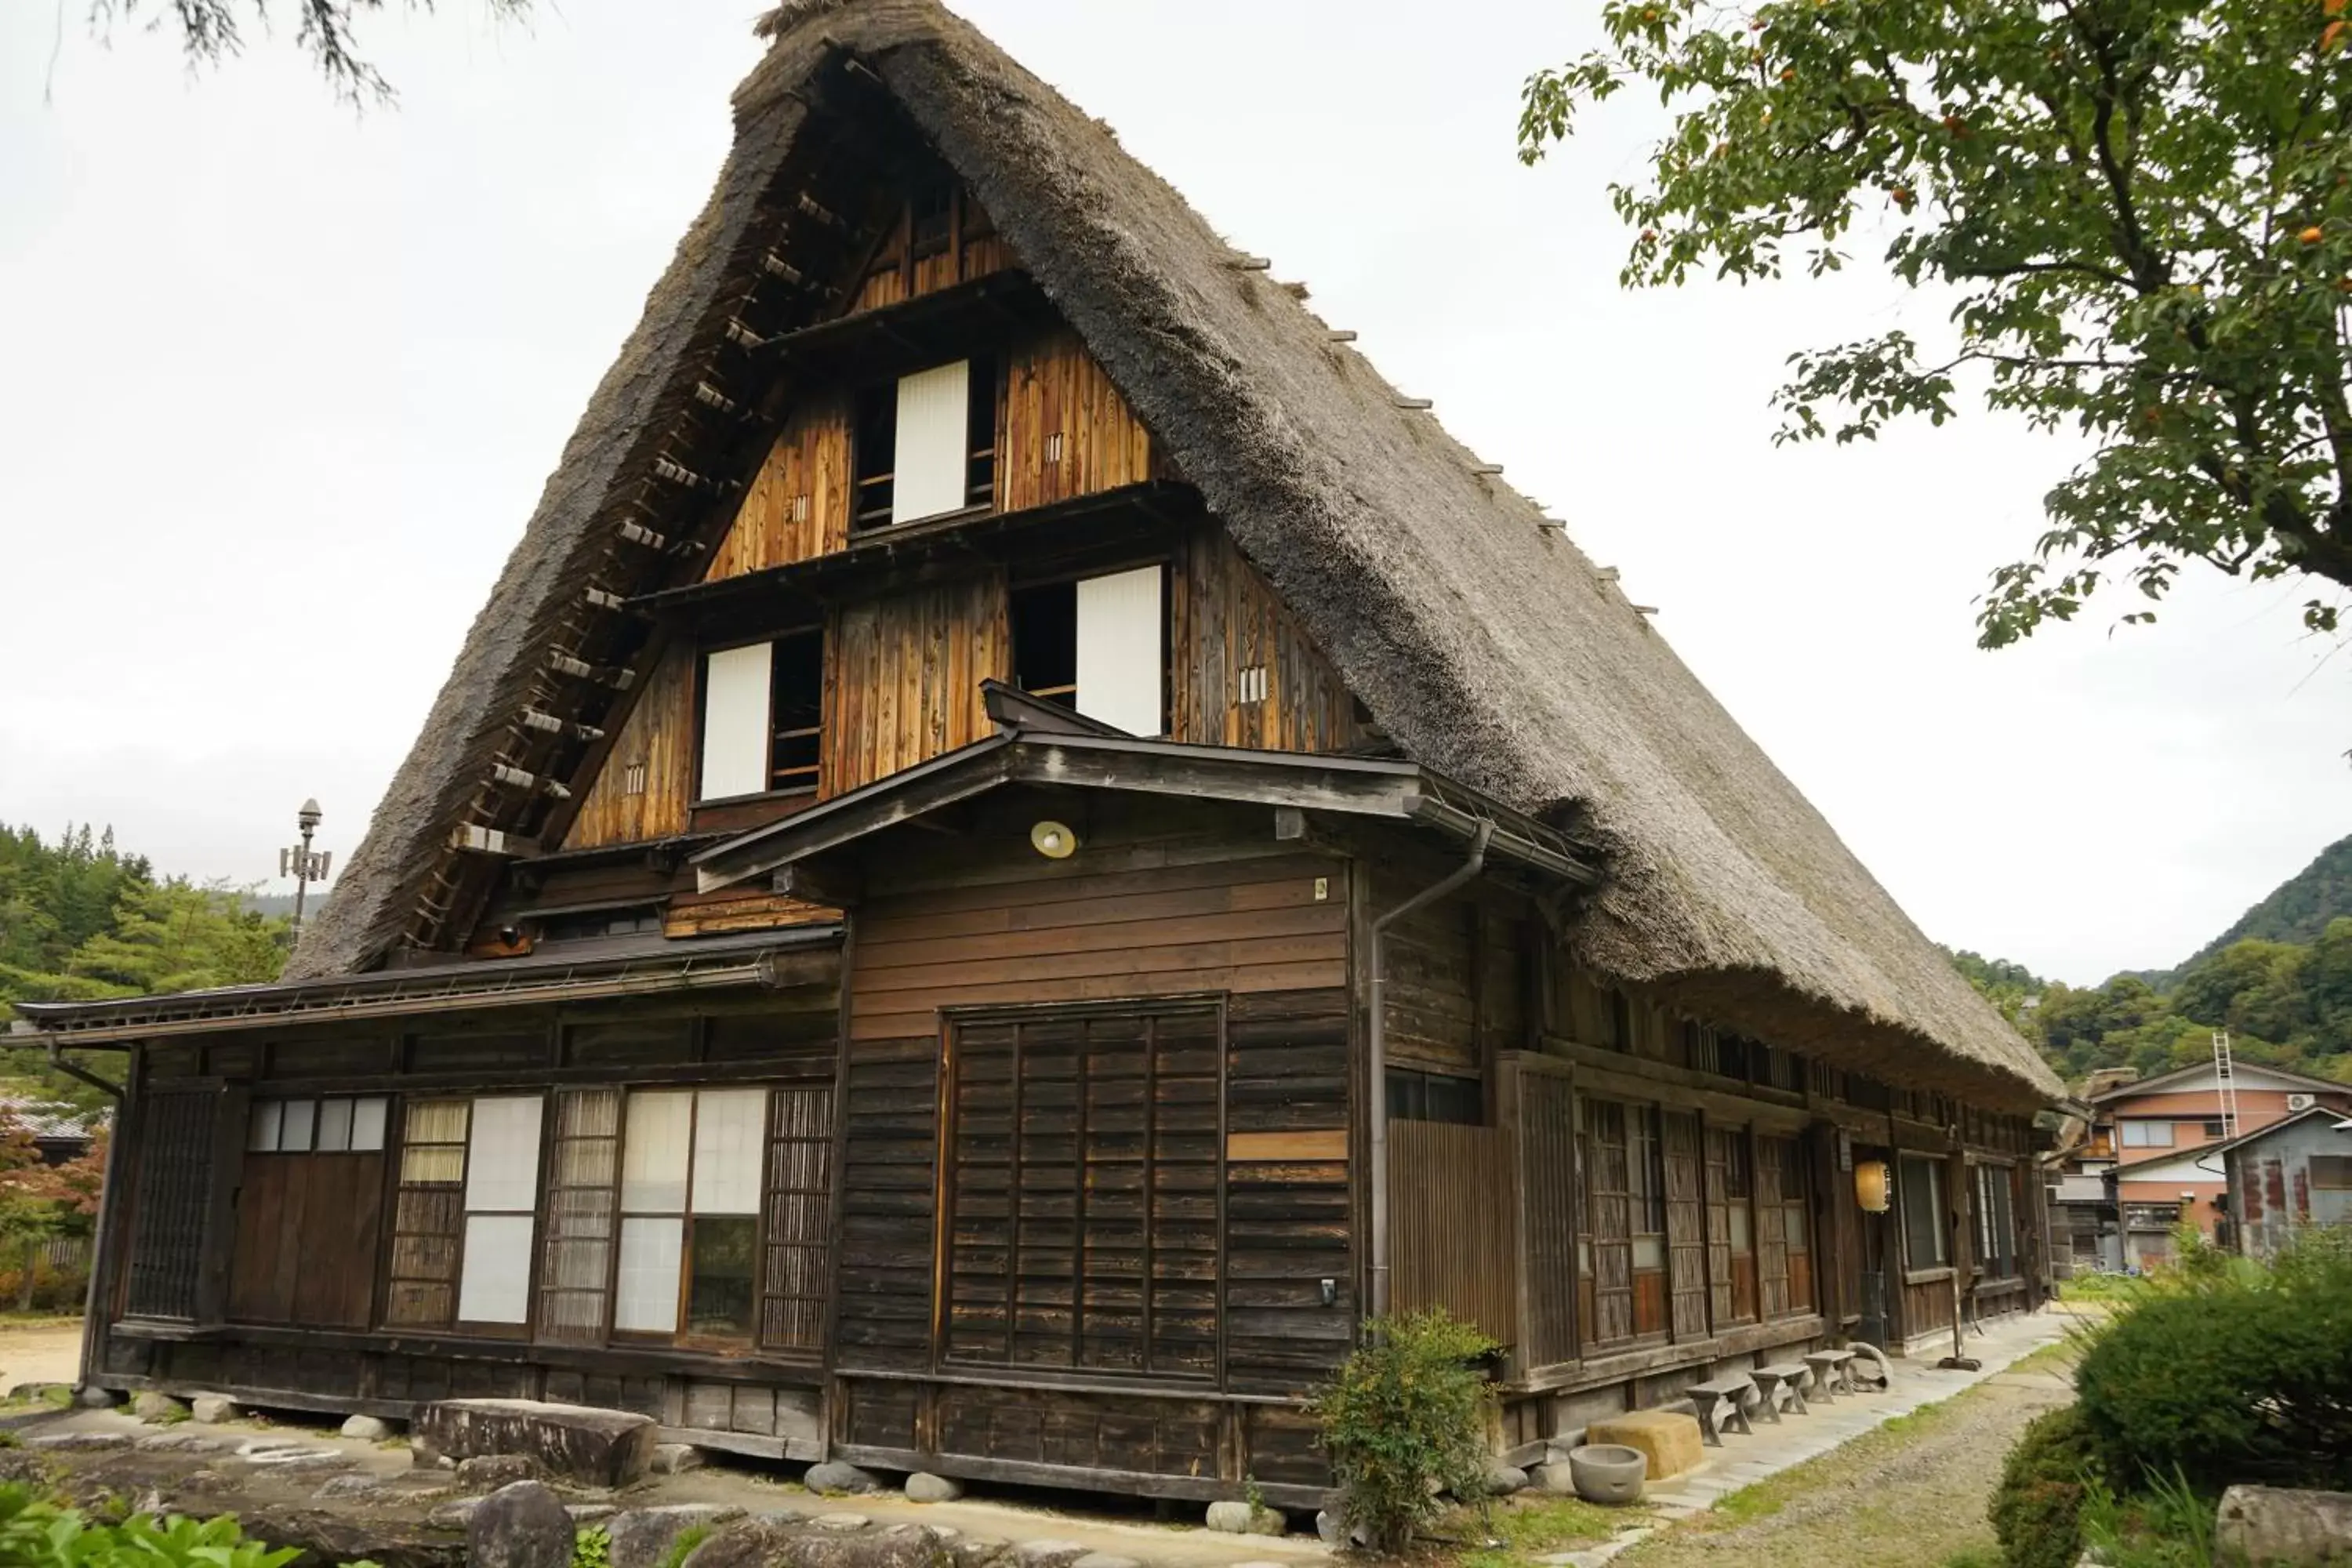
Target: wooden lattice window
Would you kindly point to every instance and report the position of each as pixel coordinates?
(1772, 1235)
(1686, 1224)
(1083, 1193)
(428, 1216)
(1606, 1243)
(1996, 1223)
(798, 1200)
(575, 1272)
(170, 1203)
(1548, 1189)
(1730, 1227)
(1792, 1218)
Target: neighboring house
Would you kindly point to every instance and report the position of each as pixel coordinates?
(2292, 1173)
(2146, 1163)
(1022, 842)
(61, 1133)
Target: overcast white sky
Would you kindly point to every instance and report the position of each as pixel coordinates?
(279, 387)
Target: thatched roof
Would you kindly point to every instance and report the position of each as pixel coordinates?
(1489, 647)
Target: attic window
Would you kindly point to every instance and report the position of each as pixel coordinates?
(763, 717)
(926, 443)
(1097, 644)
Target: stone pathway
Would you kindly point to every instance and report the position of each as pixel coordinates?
(1743, 1461)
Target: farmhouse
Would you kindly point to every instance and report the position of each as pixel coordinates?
(1022, 842)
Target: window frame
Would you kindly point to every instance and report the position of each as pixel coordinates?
(2146, 1127)
(874, 425)
(1065, 694)
(682, 1334)
(1939, 1209)
(806, 777)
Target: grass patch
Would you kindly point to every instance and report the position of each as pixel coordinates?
(1974, 1557)
(1535, 1525)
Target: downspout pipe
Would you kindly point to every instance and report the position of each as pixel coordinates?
(1379, 1096)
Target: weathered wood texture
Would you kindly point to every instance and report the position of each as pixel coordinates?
(1454, 1243)
(1685, 1225)
(1156, 906)
(1245, 672)
(171, 1202)
(646, 782)
(902, 678)
(737, 908)
(306, 1239)
(798, 506)
(1066, 430)
(964, 245)
(1543, 1108)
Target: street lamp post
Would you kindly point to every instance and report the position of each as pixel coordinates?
(301, 863)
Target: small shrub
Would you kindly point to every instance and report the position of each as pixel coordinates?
(37, 1533)
(592, 1547)
(1405, 1420)
(2036, 1511)
(692, 1536)
(2241, 1377)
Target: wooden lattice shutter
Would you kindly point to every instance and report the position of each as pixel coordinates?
(1771, 1239)
(1609, 1200)
(1685, 1227)
(172, 1202)
(800, 1219)
(1547, 1155)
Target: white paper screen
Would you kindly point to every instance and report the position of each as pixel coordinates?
(647, 1299)
(1119, 649)
(735, 720)
(367, 1123)
(502, 1157)
(728, 1129)
(653, 1153)
(927, 467)
(495, 1277)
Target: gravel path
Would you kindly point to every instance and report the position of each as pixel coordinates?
(1913, 1492)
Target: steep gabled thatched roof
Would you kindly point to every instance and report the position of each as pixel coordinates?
(1488, 646)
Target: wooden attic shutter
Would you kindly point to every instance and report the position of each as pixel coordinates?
(928, 471)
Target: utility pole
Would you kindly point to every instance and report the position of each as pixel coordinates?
(300, 864)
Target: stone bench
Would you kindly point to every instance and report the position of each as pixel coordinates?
(1833, 1372)
(1734, 1391)
(585, 1444)
(1769, 1380)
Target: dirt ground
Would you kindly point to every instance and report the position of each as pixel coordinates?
(42, 1349)
(1912, 1492)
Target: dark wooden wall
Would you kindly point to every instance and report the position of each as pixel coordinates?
(1167, 899)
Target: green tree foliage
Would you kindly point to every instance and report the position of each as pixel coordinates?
(80, 920)
(2141, 208)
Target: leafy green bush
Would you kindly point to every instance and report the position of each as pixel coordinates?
(2036, 1511)
(1405, 1419)
(2239, 1377)
(36, 1533)
(592, 1547)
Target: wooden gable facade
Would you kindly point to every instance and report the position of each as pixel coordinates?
(956, 985)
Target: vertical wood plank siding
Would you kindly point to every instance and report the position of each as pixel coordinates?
(1246, 673)
(1067, 431)
(1454, 1243)
(798, 507)
(657, 737)
(902, 678)
(171, 1198)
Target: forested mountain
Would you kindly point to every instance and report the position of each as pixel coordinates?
(2298, 909)
(81, 921)
(2280, 980)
